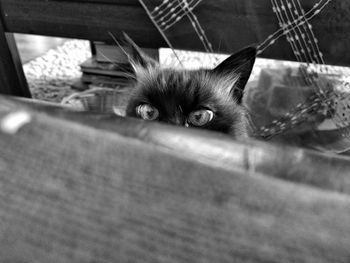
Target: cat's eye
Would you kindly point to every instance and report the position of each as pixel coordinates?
(200, 117)
(147, 112)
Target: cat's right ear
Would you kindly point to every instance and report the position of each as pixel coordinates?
(137, 57)
(237, 68)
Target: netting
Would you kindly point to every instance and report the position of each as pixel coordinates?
(330, 98)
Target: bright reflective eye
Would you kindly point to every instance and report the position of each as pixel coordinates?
(147, 112)
(200, 117)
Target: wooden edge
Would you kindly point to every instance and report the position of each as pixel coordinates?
(304, 166)
(12, 79)
(72, 192)
(249, 22)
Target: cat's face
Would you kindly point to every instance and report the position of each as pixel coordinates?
(206, 99)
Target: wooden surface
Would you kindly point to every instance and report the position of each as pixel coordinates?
(330, 172)
(12, 79)
(74, 192)
(229, 24)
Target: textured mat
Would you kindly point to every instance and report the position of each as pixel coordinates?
(50, 76)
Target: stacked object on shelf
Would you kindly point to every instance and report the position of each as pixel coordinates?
(103, 86)
(108, 67)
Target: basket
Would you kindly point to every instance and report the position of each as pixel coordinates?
(99, 100)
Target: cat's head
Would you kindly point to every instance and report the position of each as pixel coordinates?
(206, 99)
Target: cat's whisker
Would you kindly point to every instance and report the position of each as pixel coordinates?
(125, 73)
(108, 59)
(119, 45)
(131, 76)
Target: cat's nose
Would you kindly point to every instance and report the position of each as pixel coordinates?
(176, 121)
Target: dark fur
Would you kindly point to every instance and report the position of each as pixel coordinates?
(177, 93)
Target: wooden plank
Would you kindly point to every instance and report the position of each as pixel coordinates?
(325, 171)
(12, 79)
(75, 193)
(229, 24)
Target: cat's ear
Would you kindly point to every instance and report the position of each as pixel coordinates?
(137, 57)
(237, 68)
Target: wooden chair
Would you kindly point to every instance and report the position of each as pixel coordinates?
(80, 187)
(249, 22)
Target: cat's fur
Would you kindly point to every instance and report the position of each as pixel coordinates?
(177, 93)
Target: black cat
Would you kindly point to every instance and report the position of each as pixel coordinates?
(206, 99)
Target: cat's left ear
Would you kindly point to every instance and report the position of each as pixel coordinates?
(137, 57)
(238, 68)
